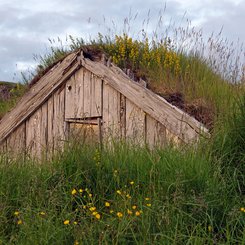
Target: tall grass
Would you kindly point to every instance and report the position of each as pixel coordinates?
(179, 198)
(229, 145)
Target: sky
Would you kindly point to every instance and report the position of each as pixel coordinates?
(27, 25)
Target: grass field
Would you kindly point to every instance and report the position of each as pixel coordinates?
(130, 195)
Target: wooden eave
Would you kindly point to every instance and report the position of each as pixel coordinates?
(176, 121)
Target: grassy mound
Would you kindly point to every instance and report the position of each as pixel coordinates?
(185, 77)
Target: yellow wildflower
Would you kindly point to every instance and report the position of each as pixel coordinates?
(119, 215)
(128, 196)
(42, 213)
(75, 222)
(131, 182)
(19, 222)
(81, 190)
(111, 211)
(16, 213)
(242, 209)
(94, 213)
(148, 204)
(147, 198)
(119, 192)
(210, 228)
(76, 243)
(134, 207)
(92, 209)
(90, 195)
(137, 213)
(129, 212)
(97, 216)
(84, 207)
(107, 204)
(74, 192)
(66, 222)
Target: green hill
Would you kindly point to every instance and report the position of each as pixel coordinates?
(9, 94)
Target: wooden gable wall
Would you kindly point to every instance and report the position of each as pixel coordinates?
(122, 119)
(82, 97)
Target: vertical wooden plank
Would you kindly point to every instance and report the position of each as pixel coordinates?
(79, 94)
(44, 130)
(96, 96)
(37, 133)
(71, 109)
(15, 142)
(87, 94)
(99, 120)
(105, 110)
(114, 112)
(150, 131)
(59, 120)
(92, 92)
(155, 133)
(135, 123)
(172, 139)
(111, 113)
(50, 125)
(33, 134)
(123, 116)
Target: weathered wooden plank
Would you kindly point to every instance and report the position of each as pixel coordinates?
(105, 110)
(135, 123)
(173, 139)
(33, 130)
(59, 119)
(74, 107)
(44, 128)
(72, 96)
(79, 99)
(16, 140)
(87, 94)
(175, 120)
(114, 111)
(96, 96)
(111, 112)
(37, 133)
(123, 116)
(38, 94)
(155, 133)
(50, 125)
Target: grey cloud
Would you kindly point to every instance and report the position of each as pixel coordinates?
(26, 25)
(232, 21)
